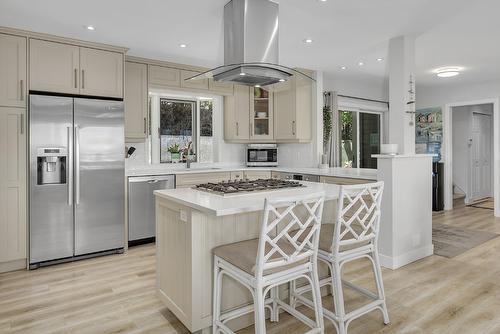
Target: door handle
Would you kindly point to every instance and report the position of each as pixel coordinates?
(83, 79)
(153, 181)
(293, 128)
(145, 126)
(237, 129)
(69, 163)
(77, 165)
(21, 119)
(21, 91)
(76, 78)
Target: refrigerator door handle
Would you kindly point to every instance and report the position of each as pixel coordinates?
(77, 165)
(69, 163)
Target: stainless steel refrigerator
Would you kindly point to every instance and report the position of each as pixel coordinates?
(77, 173)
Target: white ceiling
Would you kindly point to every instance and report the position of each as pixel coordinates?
(450, 32)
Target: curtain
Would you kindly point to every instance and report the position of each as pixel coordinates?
(331, 144)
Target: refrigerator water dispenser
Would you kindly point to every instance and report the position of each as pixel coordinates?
(51, 166)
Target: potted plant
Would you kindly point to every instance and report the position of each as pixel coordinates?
(175, 153)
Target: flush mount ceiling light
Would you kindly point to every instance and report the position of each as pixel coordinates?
(182, 45)
(361, 63)
(91, 28)
(448, 72)
(308, 41)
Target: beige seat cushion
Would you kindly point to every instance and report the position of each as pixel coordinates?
(243, 254)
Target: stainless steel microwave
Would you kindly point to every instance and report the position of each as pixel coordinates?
(259, 155)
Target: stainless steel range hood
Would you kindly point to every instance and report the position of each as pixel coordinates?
(251, 50)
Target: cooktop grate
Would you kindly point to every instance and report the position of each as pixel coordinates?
(231, 187)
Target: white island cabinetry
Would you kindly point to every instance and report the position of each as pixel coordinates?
(189, 224)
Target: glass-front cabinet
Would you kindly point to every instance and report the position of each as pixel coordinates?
(261, 114)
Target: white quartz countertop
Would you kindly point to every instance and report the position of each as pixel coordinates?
(357, 173)
(219, 205)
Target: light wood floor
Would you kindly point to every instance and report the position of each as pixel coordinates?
(116, 294)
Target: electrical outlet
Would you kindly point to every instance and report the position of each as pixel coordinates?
(184, 216)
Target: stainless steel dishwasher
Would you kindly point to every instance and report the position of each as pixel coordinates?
(141, 206)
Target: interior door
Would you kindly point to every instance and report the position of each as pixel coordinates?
(481, 156)
(99, 176)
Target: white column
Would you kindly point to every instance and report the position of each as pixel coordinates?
(406, 221)
(401, 67)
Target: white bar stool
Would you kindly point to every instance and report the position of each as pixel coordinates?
(353, 236)
(275, 258)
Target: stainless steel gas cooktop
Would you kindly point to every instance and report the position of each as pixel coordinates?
(243, 186)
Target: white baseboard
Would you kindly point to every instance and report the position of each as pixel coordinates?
(406, 258)
(12, 265)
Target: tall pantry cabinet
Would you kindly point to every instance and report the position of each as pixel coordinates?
(13, 96)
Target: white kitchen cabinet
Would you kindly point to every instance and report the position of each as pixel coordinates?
(193, 84)
(257, 174)
(12, 188)
(343, 180)
(63, 68)
(261, 114)
(164, 76)
(136, 100)
(101, 73)
(54, 67)
(293, 110)
(221, 88)
(12, 71)
(236, 115)
(189, 180)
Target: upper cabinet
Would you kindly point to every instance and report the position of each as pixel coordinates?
(195, 84)
(282, 115)
(236, 115)
(136, 100)
(220, 87)
(54, 67)
(63, 68)
(293, 110)
(101, 73)
(261, 114)
(12, 71)
(164, 76)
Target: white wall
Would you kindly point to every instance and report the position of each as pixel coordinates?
(452, 93)
(369, 87)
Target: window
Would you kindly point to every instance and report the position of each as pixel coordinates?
(185, 128)
(206, 151)
(176, 129)
(360, 134)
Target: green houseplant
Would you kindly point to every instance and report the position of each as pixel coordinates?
(175, 154)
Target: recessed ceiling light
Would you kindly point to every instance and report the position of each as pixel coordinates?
(343, 67)
(447, 72)
(308, 40)
(281, 80)
(257, 86)
(182, 45)
(242, 74)
(361, 63)
(92, 28)
(380, 59)
(322, 0)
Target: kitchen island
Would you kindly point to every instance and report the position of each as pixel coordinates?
(189, 224)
